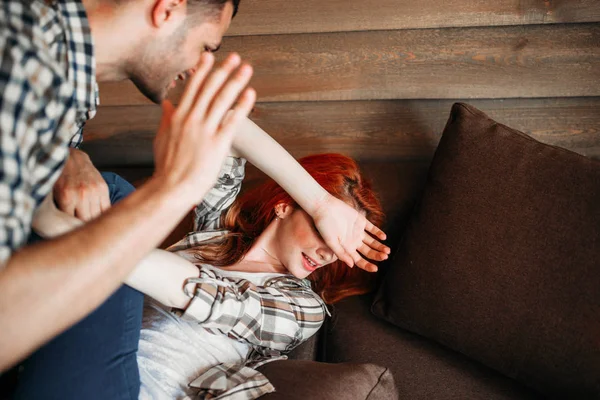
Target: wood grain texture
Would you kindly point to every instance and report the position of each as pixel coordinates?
(498, 62)
(259, 17)
(366, 130)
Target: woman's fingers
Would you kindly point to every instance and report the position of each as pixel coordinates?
(341, 253)
(372, 229)
(369, 249)
(190, 93)
(224, 100)
(371, 253)
(212, 85)
(363, 263)
(375, 244)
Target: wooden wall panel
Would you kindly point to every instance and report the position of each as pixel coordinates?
(376, 130)
(498, 62)
(259, 17)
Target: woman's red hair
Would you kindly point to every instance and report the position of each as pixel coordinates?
(253, 211)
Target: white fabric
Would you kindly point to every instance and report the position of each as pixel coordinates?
(173, 351)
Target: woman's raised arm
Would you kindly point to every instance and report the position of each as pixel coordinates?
(342, 227)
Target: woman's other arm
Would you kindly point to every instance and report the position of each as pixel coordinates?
(280, 315)
(160, 274)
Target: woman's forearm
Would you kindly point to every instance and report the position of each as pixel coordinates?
(160, 274)
(260, 149)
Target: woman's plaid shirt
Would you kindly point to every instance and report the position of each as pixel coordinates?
(273, 318)
(47, 91)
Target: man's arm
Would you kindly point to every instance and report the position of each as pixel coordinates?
(160, 274)
(47, 287)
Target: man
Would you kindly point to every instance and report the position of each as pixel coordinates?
(52, 53)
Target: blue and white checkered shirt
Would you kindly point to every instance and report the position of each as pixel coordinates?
(48, 91)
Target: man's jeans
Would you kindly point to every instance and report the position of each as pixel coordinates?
(96, 358)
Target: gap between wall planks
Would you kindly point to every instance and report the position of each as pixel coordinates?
(268, 17)
(497, 62)
(367, 130)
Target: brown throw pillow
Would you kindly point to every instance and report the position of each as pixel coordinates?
(501, 259)
(301, 380)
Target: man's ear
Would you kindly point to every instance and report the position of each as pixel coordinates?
(282, 210)
(164, 11)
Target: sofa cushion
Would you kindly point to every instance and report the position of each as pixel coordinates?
(301, 380)
(422, 369)
(500, 260)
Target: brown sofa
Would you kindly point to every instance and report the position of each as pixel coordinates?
(418, 368)
(492, 291)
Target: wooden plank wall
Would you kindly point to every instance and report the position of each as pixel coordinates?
(376, 79)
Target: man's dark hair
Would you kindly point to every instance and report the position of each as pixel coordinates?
(216, 6)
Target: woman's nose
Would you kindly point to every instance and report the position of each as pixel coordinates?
(326, 255)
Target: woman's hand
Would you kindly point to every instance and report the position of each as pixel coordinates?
(348, 234)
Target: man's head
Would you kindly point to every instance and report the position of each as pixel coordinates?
(176, 34)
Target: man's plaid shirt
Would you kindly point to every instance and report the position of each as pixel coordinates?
(47, 91)
(273, 318)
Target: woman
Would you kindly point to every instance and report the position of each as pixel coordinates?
(237, 283)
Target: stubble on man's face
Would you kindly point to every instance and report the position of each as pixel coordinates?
(156, 65)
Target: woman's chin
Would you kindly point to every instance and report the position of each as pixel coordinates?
(299, 272)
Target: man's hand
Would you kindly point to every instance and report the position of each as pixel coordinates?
(81, 191)
(194, 139)
(346, 232)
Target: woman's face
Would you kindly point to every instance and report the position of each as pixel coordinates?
(298, 245)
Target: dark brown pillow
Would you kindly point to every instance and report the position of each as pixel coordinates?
(301, 380)
(501, 259)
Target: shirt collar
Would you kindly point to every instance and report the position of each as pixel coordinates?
(80, 54)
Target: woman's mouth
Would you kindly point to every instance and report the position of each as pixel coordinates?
(308, 263)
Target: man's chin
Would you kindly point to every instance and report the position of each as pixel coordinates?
(154, 95)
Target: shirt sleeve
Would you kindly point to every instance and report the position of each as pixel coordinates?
(81, 120)
(207, 214)
(29, 150)
(279, 315)
(77, 138)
